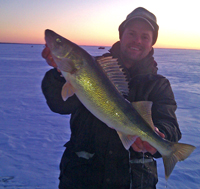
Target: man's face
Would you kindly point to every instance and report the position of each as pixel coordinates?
(136, 41)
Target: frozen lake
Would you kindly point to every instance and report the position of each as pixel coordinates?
(32, 137)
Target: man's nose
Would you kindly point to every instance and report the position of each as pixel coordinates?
(137, 39)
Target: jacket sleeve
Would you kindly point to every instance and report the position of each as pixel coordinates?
(163, 110)
(51, 87)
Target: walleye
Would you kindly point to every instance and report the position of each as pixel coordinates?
(100, 85)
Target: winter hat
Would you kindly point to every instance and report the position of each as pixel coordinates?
(141, 13)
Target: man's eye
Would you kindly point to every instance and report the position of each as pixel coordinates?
(145, 37)
(132, 34)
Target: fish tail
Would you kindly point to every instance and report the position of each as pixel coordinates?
(180, 152)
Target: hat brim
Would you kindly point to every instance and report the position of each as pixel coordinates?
(140, 17)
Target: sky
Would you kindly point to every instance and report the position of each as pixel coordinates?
(96, 22)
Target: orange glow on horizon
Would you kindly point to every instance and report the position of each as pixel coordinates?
(182, 42)
(96, 23)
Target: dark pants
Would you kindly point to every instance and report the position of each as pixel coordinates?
(87, 174)
(144, 175)
(76, 173)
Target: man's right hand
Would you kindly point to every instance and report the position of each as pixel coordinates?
(46, 54)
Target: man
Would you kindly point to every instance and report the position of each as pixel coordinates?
(94, 156)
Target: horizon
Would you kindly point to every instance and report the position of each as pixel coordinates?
(96, 23)
(100, 46)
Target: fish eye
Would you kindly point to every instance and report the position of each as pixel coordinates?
(58, 40)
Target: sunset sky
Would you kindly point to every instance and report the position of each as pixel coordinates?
(96, 22)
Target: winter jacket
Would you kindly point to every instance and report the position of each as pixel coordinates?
(94, 156)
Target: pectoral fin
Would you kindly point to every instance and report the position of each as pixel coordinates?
(67, 91)
(127, 140)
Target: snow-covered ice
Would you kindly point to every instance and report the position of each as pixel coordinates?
(32, 137)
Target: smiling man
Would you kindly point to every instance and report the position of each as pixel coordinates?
(136, 41)
(95, 157)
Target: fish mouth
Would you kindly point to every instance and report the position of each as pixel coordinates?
(53, 38)
(49, 32)
(50, 38)
(59, 46)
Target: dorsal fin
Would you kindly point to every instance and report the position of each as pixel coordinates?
(144, 109)
(115, 73)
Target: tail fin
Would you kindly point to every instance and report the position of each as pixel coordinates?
(179, 153)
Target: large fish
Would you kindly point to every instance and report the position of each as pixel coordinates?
(100, 85)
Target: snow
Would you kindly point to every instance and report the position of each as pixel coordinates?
(32, 137)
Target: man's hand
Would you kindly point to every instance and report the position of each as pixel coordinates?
(143, 146)
(46, 54)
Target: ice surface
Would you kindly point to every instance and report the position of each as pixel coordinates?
(32, 137)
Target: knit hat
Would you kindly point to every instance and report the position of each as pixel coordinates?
(141, 13)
